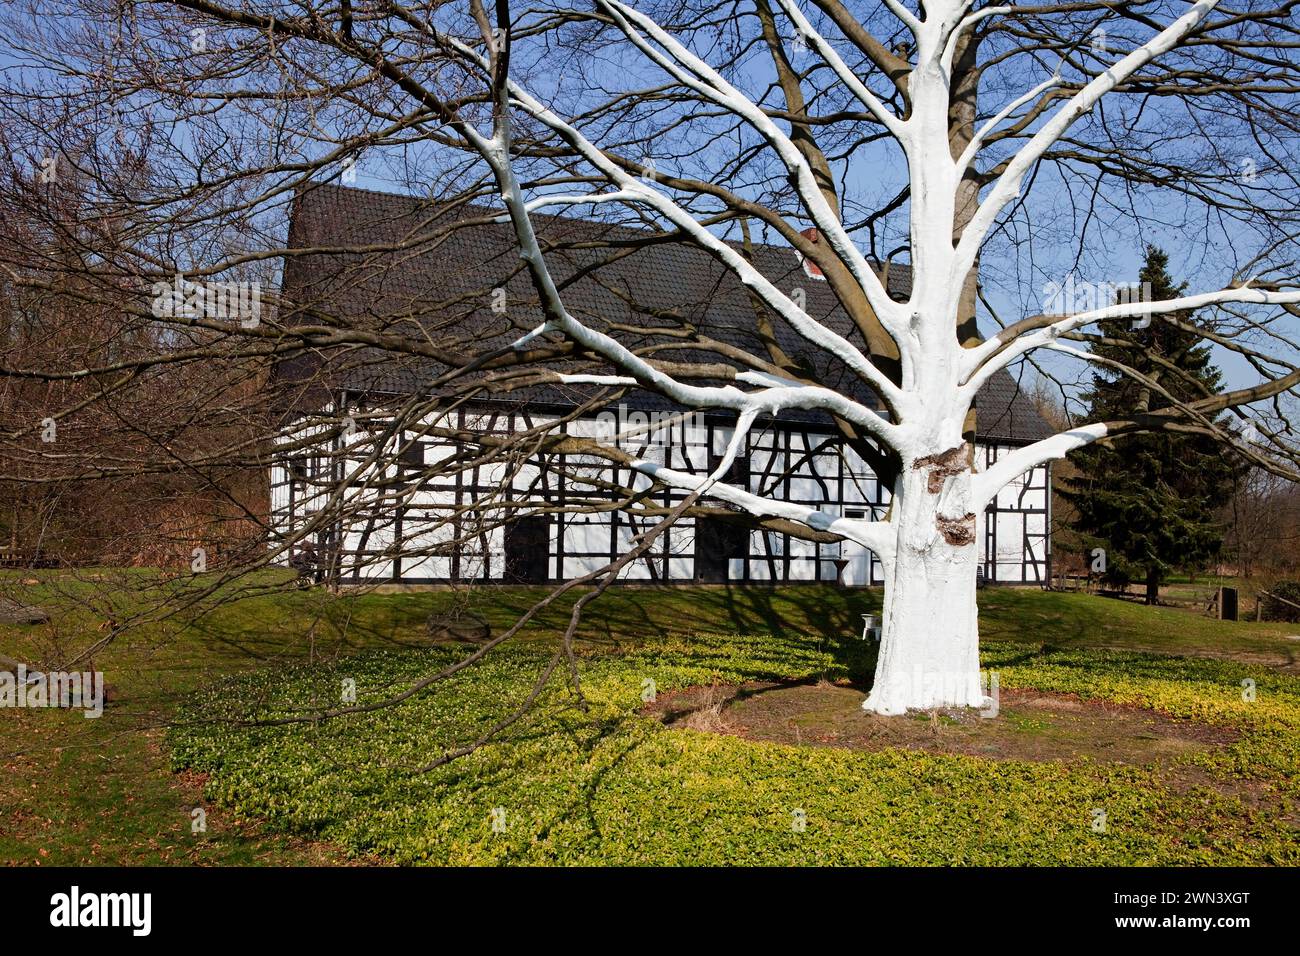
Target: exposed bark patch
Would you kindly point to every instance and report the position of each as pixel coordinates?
(958, 532)
(954, 461)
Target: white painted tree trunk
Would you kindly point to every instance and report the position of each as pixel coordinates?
(929, 649)
(929, 544)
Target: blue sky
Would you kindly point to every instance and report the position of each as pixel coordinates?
(1014, 284)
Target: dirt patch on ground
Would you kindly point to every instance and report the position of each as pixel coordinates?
(1030, 725)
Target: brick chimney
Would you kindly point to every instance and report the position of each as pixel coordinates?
(813, 236)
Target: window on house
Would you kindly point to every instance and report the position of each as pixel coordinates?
(737, 475)
(413, 454)
(775, 543)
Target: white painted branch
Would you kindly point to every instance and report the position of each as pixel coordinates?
(965, 23)
(721, 92)
(610, 380)
(496, 152)
(810, 329)
(776, 394)
(977, 141)
(876, 535)
(587, 199)
(528, 337)
(989, 483)
(850, 79)
(905, 15)
(738, 438)
(984, 360)
(1007, 187)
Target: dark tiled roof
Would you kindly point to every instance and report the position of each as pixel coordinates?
(406, 270)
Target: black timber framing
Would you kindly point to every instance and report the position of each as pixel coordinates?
(790, 453)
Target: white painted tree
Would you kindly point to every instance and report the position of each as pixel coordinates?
(928, 542)
(927, 124)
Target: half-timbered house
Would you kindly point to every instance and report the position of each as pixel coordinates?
(373, 503)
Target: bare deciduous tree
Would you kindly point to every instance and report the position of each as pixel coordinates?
(988, 148)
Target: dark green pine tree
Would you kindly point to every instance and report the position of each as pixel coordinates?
(1149, 500)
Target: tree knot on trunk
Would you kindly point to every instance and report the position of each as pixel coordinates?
(958, 532)
(944, 465)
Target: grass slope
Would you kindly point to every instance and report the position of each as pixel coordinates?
(607, 785)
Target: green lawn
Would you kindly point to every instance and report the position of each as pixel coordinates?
(608, 785)
(1074, 619)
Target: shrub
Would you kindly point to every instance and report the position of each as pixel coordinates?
(1116, 579)
(1282, 602)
